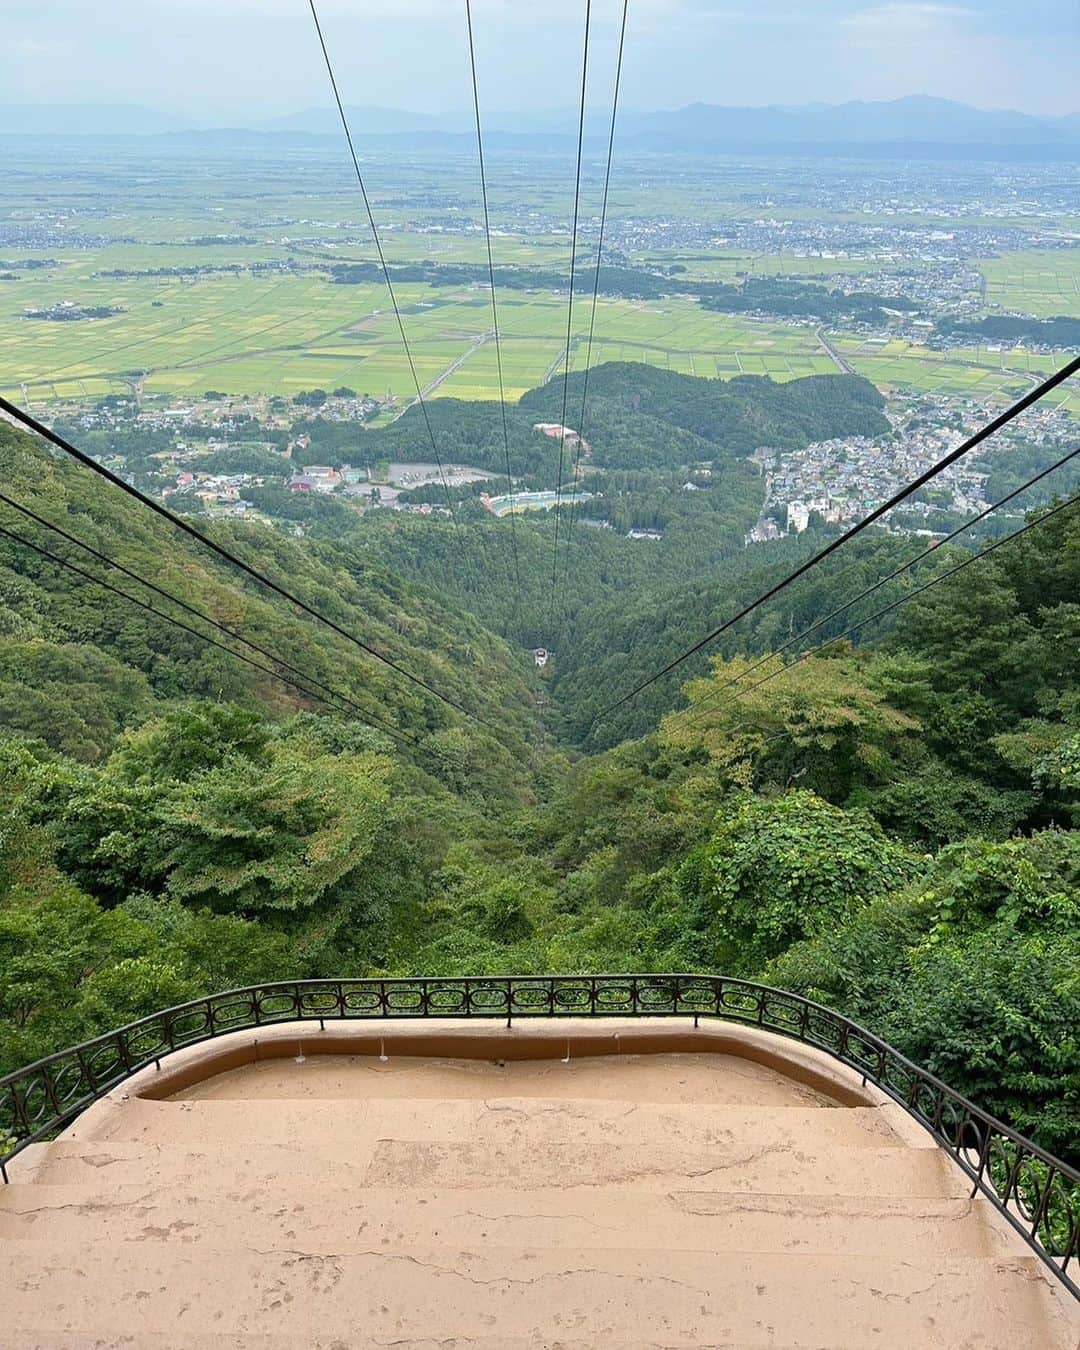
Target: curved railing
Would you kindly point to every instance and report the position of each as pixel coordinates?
(1036, 1193)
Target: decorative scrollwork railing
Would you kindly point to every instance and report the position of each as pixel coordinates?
(1038, 1194)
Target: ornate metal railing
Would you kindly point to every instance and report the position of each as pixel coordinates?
(1036, 1193)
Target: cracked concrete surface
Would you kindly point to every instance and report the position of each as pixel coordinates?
(501, 1199)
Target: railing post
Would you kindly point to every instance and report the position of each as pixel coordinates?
(86, 1071)
(50, 1091)
(984, 1154)
(1043, 1206)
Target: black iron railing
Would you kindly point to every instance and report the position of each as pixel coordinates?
(1035, 1192)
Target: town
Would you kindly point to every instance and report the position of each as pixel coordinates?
(250, 458)
(841, 480)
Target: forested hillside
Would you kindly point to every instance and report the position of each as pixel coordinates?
(891, 828)
(78, 666)
(639, 417)
(646, 431)
(505, 577)
(736, 415)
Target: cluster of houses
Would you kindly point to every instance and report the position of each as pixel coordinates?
(220, 494)
(844, 478)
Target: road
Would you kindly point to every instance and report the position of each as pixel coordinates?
(841, 362)
(454, 365)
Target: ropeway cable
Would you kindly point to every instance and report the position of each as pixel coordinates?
(895, 604)
(596, 279)
(195, 613)
(177, 623)
(494, 302)
(570, 310)
(896, 572)
(32, 423)
(382, 260)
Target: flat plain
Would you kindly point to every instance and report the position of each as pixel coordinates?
(219, 267)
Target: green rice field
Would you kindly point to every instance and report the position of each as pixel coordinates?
(280, 334)
(1045, 282)
(978, 372)
(252, 332)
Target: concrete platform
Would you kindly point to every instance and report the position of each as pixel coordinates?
(553, 1184)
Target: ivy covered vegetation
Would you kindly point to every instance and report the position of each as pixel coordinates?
(893, 829)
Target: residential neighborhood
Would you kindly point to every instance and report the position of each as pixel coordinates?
(842, 480)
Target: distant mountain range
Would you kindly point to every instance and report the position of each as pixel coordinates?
(709, 126)
(363, 121)
(917, 122)
(917, 118)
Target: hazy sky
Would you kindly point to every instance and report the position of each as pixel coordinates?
(243, 59)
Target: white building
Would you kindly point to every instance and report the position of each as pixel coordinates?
(798, 516)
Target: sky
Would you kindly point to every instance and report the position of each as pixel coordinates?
(238, 61)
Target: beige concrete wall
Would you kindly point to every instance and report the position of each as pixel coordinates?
(488, 1040)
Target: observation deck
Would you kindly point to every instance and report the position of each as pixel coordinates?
(561, 1183)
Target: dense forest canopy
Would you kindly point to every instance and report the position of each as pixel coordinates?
(737, 415)
(793, 299)
(784, 297)
(54, 625)
(639, 417)
(891, 827)
(1061, 331)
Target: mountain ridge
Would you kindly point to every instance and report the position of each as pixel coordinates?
(908, 120)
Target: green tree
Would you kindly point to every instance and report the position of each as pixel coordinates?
(284, 839)
(821, 724)
(778, 870)
(972, 972)
(186, 741)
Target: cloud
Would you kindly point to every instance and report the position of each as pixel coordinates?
(907, 20)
